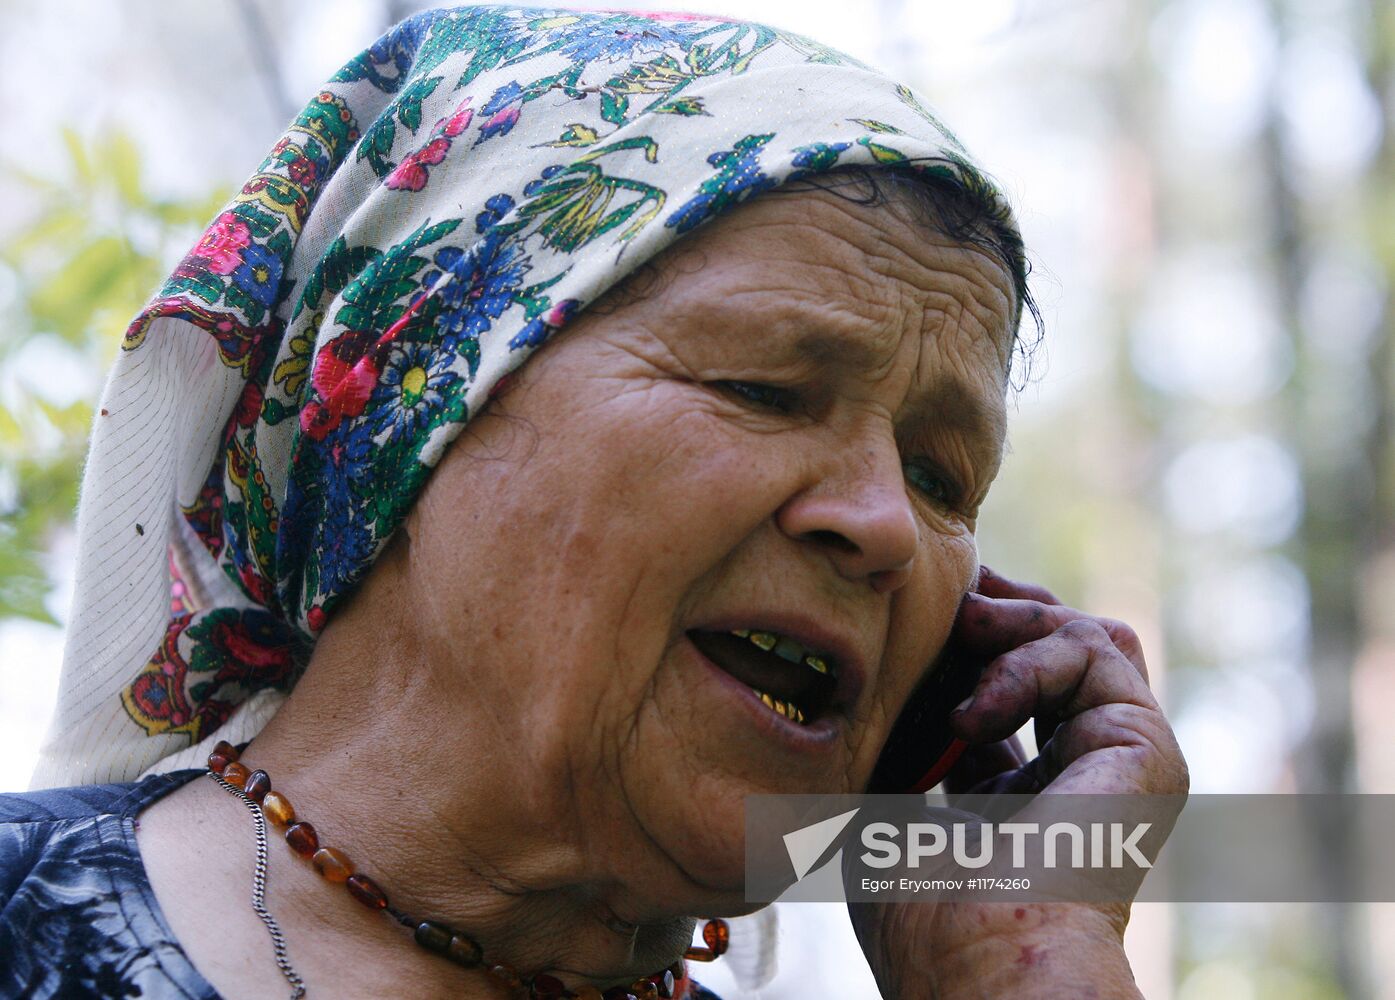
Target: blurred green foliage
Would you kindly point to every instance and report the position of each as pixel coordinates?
(93, 243)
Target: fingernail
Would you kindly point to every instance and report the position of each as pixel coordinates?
(963, 706)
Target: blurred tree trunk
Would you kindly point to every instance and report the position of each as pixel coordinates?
(1338, 531)
(1379, 22)
(1380, 448)
(266, 56)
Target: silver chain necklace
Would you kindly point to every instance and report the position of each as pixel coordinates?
(278, 940)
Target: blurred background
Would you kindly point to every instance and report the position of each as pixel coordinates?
(1203, 450)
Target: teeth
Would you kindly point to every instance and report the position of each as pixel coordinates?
(785, 648)
(765, 640)
(787, 709)
(788, 649)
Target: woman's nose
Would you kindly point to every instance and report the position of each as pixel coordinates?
(862, 519)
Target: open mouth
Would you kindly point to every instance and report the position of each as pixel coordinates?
(795, 683)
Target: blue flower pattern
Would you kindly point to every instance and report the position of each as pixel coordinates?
(417, 384)
(259, 274)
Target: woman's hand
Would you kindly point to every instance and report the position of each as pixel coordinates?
(1100, 730)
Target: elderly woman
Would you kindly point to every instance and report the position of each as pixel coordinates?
(498, 648)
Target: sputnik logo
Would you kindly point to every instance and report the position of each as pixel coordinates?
(806, 847)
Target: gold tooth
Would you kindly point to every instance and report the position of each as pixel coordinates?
(764, 640)
(744, 633)
(785, 708)
(816, 663)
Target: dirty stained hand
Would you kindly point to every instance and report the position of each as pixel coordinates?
(1084, 682)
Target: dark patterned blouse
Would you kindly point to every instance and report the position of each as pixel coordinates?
(77, 915)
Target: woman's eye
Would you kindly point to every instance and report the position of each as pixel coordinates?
(760, 394)
(935, 485)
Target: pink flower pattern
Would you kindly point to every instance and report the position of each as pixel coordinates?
(222, 244)
(412, 173)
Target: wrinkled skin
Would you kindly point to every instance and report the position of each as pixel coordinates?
(801, 418)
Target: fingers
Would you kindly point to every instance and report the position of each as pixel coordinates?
(1116, 748)
(991, 627)
(1073, 668)
(991, 584)
(1082, 678)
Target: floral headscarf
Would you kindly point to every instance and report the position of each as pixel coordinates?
(436, 213)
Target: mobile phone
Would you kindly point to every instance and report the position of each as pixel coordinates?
(921, 748)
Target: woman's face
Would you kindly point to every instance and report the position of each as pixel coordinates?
(790, 432)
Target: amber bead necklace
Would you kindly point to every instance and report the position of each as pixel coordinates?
(254, 789)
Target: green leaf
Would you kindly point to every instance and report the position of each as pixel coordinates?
(613, 107)
(251, 308)
(274, 411)
(698, 56)
(65, 302)
(77, 156)
(576, 134)
(882, 154)
(123, 159)
(204, 286)
(681, 106)
(409, 104)
(63, 226)
(872, 125)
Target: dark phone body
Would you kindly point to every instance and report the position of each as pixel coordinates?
(921, 747)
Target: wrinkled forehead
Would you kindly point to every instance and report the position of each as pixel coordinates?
(851, 280)
(824, 284)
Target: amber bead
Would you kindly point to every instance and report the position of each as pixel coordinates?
(717, 935)
(507, 975)
(257, 785)
(278, 809)
(223, 754)
(544, 985)
(619, 993)
(303, 839)
(236, 774)
(698, 954)
(587, 993)
(464, 951)
(366, 891)
(333, 864)
(665, 984)
(432, 936)
(644, 989)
